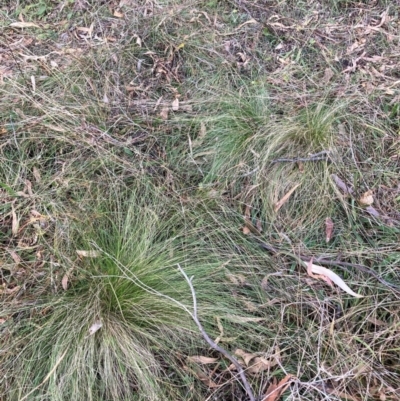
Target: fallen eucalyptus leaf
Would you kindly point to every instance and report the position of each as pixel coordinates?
(88, 254)
(329, 274)
(15, 221)
(64, 282)
(253, 362)
(24, 25)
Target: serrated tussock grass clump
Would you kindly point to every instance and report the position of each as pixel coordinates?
(251, 144)
(130, 287)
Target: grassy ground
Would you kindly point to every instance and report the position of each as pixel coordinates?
(139, 136)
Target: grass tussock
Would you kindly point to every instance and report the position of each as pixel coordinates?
(132, 287)
(220, 137)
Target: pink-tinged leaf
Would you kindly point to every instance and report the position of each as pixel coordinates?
(329, 276)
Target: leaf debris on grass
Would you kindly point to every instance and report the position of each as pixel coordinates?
(115, 100)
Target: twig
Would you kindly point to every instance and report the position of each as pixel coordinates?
(323, 155)
(212, 343)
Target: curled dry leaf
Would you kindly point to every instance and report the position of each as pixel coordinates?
(328, 229)
(203, 360)
(28, 187)
(246, 356)
(366, 199)
(275, 389)
(252, 362)
(329, 276)
(138, 40)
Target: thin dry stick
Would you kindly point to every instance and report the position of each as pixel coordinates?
(212, 343)
(324, 155)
